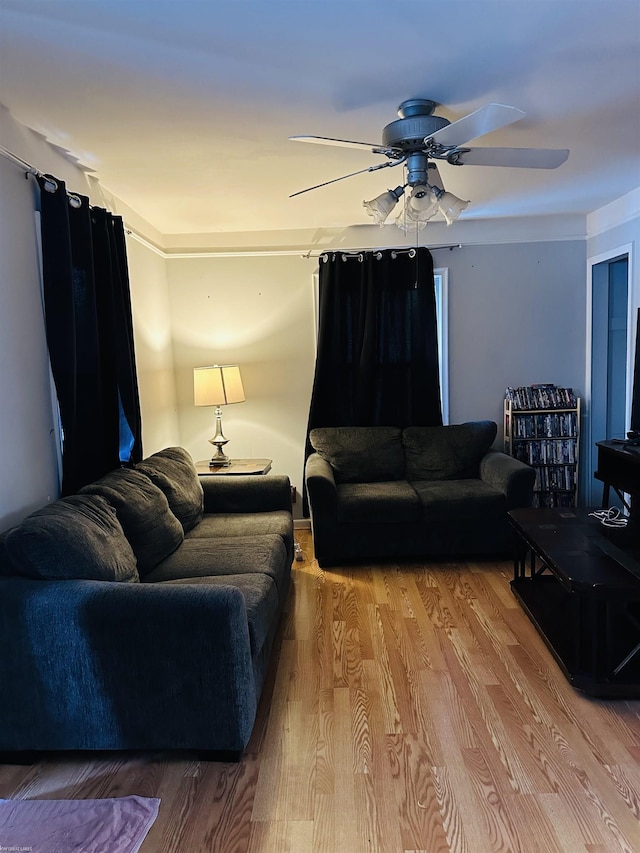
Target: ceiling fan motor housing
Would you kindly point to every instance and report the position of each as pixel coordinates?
(408, 133)
(415, 123)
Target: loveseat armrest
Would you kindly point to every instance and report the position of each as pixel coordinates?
(246, 493)
(323, 504)
(510, 476)
(106, 665)
(321, 487)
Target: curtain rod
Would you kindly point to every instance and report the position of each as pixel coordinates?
(50, 183)
(18, 161)
(359, 253)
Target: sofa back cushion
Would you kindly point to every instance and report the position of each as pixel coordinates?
(451, 452)
(361, 454)
(174, 472)
(142, 508)
(71, 538)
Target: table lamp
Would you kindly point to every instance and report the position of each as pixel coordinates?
(217, 386)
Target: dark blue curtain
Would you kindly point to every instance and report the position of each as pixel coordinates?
(89, 335)
(377, 359)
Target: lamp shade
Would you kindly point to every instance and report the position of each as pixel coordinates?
(217, 385)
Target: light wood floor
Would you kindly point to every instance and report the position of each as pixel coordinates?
(413, 708)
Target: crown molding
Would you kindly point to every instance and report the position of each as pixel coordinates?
(617, 212)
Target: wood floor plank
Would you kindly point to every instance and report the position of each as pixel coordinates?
(420, 819)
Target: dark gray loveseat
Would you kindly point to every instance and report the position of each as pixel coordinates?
(382, 492)
(141, 613)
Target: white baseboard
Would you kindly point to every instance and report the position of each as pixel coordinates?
(302, 524)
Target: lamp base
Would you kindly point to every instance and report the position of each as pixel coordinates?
(219, 459)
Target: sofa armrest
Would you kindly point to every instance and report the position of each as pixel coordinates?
(105, 665)
(510, 476)
(250, 493)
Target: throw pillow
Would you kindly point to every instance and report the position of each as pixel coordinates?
(142, 508)
(174, 472)
(450, 452)
(71, 538)
(361, 454)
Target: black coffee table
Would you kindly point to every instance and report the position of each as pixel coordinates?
(579, 582)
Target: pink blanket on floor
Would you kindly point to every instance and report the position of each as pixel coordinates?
(112, 825)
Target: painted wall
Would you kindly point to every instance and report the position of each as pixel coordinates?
(27, 443)
(516, 317)
(154, 346)
(256, 312)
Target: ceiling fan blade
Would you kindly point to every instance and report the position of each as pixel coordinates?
(526, 158)
(341, 143)
(487, 118)
(350, 175)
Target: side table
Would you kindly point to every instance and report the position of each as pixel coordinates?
(236, 466)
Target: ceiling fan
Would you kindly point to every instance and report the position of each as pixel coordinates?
(417, 139)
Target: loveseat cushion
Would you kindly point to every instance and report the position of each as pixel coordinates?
(142, 508)
(452, 501)
(361, 454)
(380, 503)
(451, 452)
(74, 537)
(221, 557)
(174, 472)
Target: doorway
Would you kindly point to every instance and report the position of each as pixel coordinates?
(609, 362)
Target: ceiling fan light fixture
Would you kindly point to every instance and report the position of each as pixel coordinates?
(419, 137)
(381, 206)
(450, 206)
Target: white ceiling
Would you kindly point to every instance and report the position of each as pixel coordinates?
(183, 108)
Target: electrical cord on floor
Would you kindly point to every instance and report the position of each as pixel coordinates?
(611, 517)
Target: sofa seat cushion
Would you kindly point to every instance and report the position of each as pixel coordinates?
(260, 596)
(142, 508)
(221, 557)
(361, 454)
(174, 472)
(450, 452)
(229, 524)
(78, 537)
(455, 500)
(380, 503)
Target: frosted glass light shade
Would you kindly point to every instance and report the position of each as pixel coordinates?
(450, 206)
(217, 385)
(422, 204)
(381, 206)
